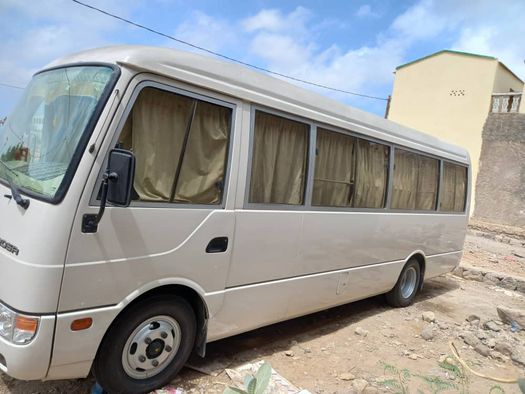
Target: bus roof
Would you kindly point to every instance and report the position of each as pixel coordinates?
(244, 83)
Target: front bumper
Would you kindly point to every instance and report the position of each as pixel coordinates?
(30, 361)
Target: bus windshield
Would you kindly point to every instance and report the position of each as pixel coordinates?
(39, 139)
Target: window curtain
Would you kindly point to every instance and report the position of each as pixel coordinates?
(279, 160)
(155, 131)
(159, 122)
(334, 169)
(461, 189)
(454, 188)
(405, 180)
(427, 185)
(202, 173)
(371, 175)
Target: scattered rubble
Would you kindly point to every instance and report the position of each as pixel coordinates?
(361, 331)
(428, 316)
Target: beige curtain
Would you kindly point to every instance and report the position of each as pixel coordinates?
(405, 180)
(159, 122)
(453, 188)
(202, 171)
(427, 184)
(371, 175)
(279, 160)
(155, 132)
(334, 169)
(461, 189)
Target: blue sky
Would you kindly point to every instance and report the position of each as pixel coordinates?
(351, 45)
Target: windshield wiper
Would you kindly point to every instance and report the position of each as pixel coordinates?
(15, 194)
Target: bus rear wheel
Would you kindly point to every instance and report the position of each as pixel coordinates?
(407, 285)
(146, 346)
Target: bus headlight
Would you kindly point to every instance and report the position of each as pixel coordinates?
(17, 328)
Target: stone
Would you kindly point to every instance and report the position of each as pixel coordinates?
(428, 333)
(472, 274)
(491, 342)
(508, 315)
(504, 348)
(518, 356)
(490, 325)
(370, 390)
(413, 356)
(491, 278)
(498, 356)
(359, 385)
(347, 376)
(481, 335)
(469, 338)
(442, 325)
(508, 283)
(520, 287)
(289, 353)
(472, 318)
(428, 316)
(482, 349)
(361, 331)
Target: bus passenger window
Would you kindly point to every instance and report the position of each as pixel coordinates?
(334, 169)
(180, 144)
(415, 183)
(349, 172)
(454, 188)
(279, 160)
(371, 175)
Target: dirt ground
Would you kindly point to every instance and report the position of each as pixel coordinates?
(323, 353)
(496, 253)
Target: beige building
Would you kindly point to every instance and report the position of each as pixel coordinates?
(449, 94)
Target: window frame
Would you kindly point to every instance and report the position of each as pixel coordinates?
(184, 91)
(357, 136)
(467, 179)
(440, 176)
(307, 192)
(86, 135)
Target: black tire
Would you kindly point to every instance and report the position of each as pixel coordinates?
(108, 365)
(396, 297)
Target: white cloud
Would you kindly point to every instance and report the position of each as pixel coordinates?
(206, 31)
(421, 22)
(496, 31)
(366, 11)
(274, 21)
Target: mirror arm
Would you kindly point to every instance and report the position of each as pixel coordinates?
(90, 222)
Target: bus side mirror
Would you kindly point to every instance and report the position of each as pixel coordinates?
(117, 182)
(120, 173)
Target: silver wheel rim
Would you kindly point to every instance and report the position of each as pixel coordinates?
(408, 282)
(151, 347)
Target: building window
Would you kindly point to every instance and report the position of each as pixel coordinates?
(454, 188)
(349, 172)
(280, 150)
(180, 144)
(415, 183)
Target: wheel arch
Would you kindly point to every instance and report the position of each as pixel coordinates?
(192, 293)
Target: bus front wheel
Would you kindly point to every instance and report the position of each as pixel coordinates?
(146, 346)
(407, 285)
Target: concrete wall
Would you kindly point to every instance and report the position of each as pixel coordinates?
(500, 196)
(505, 80)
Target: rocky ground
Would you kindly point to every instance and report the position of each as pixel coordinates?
(369, 347)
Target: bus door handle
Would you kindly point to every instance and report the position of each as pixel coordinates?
(217, 245)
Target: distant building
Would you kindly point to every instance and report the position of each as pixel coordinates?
(449, 94)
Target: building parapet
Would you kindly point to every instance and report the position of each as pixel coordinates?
(506, 102)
